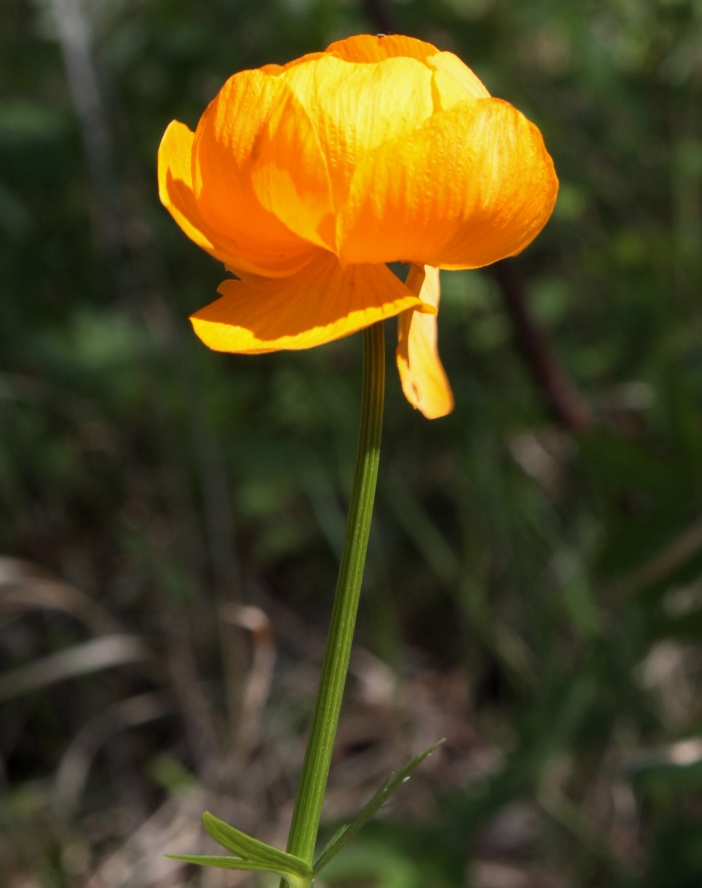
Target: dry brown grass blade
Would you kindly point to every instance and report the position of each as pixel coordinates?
(25, 586)
(258, 683)
(81, 659)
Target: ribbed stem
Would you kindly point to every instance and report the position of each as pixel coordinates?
(315, 770)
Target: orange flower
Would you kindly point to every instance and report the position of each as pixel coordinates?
(306, 179)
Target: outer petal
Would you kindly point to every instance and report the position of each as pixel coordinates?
(175, 185)
(354, 108)
(321, 303)
(474, 184)
(234, 249)
(422, 374)
(258, 171)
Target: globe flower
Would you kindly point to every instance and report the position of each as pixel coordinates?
(307, 179)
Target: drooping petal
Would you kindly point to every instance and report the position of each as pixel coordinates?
(472, 185)
(321, 303)
(422, 374)
(356, 107)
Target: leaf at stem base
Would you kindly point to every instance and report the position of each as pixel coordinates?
(346, 833)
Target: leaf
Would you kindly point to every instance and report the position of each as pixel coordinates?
(253, 851)
(344, 835)
(237, 863)
(220, 861)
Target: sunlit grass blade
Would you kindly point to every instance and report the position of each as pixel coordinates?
(252, 851)
(346, 833)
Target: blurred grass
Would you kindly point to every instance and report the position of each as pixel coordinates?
(537, 595)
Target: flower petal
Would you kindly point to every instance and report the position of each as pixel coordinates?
(175, 183)
(278, 69)
(356, 107)
(175, 165)
(375, 48)
(422, 374)
(259, 175)
(321, 303)
(290, 174)
(472, 185)
(454, 80)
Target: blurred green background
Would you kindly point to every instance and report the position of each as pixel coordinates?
(171, 518)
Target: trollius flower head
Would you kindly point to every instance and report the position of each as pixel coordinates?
(306, 179)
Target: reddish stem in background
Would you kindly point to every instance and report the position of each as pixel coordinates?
(532, 340)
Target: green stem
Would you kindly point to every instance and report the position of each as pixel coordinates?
(315, 770)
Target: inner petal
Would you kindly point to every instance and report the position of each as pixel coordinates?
(354, 108)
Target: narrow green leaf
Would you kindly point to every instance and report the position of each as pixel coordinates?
(236, 863)
(254, 851)
(333, 841)
(222, 862)
(342, 836)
